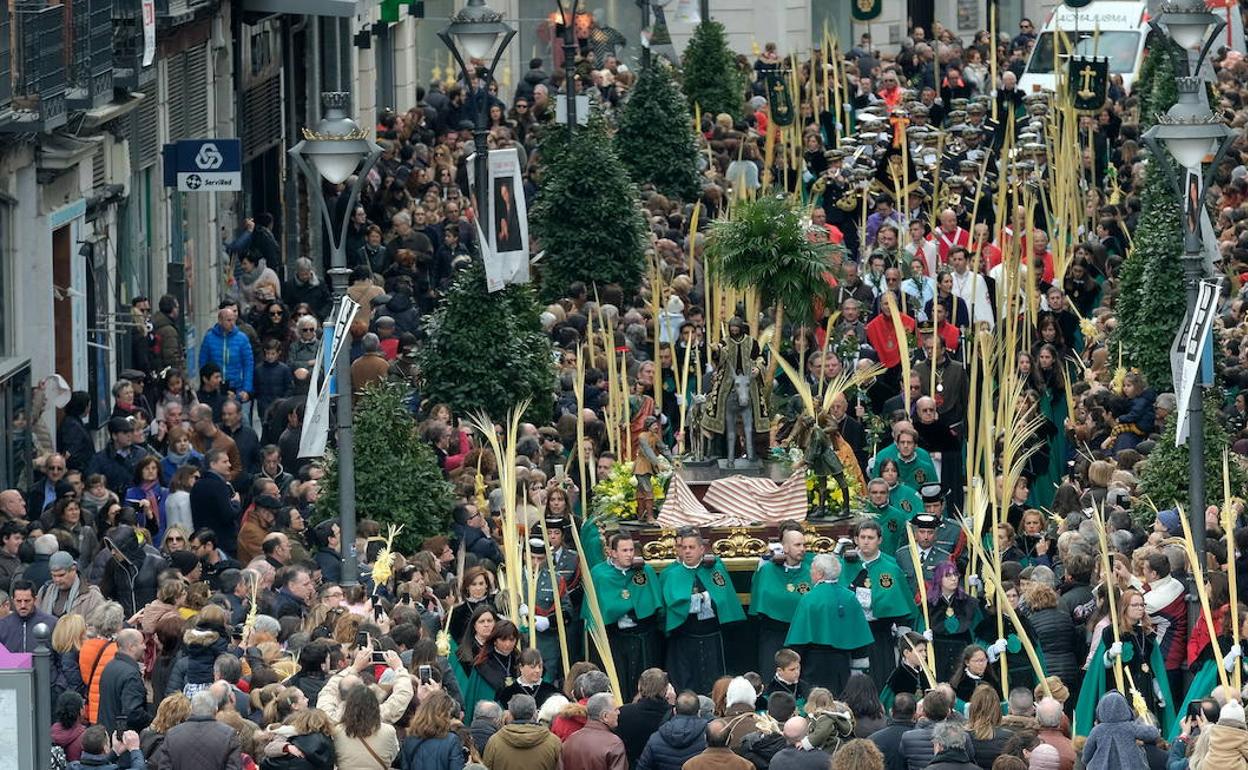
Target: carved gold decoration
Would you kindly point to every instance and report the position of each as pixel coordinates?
(662, 547)
(815, 541)
(739, 542)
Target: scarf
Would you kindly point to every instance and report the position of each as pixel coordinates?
(176, 459)
(54, 595)
(249, 277)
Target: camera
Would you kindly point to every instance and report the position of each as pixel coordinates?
(425, 673)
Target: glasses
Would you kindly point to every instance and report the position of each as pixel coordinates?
(176, 539)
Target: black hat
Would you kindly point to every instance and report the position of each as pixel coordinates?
(184, 562)
(925, 521)
(932, 493)
(556, 522)
(132, 375)
(537, 546)
(268, 501)
(120, 425)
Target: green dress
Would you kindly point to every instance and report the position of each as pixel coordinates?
(1053, 406)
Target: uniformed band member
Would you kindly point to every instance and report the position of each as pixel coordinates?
(830, 627)
(883, 594)
(779, 583)
(949, 536)
(892, 519)
(628, 597)
(543, 615)
(698, 598)
(568, 565)
(931, 555)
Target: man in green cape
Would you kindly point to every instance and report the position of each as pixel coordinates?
(914, 465)
(778, 584)
(892, 520)
(698, 598)
(629, 600)
(884, 595)
(829, 627)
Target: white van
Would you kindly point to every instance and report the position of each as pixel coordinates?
(1123, 29)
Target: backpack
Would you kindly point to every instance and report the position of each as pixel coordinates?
(759, 748)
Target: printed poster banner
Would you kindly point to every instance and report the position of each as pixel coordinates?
(316, 409)
(506, 237)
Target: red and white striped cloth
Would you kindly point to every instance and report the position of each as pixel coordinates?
(736, 501)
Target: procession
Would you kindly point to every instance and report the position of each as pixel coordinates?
(877, 404)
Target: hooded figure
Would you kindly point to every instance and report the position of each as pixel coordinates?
(1112, 743)
(132, 573)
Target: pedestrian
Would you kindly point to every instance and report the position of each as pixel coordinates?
(123, 693)
(677, 740)
(596, 746)
(201, 741)
(522, 744)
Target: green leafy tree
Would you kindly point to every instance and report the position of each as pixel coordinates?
(486, 351)
(1148, 318)
(764, 246)
(655, 136)
(1165, 478)
(397, 478)
(587, 216)
(710, 76)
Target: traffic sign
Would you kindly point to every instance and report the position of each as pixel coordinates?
(204, 165)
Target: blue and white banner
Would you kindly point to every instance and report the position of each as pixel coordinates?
(316, 409)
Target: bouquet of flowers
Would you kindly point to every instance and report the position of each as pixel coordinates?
(615, 495)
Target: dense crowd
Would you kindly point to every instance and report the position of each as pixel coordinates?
(201, 619)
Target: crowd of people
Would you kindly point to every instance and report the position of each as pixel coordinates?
(201, 617)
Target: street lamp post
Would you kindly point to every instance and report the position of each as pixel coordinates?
(335, 150)
(476, 30)
(569, 59)
(1180, 142)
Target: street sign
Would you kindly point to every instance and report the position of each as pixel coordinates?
(204, 165)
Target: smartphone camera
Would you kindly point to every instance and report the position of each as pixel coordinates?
(425, 673)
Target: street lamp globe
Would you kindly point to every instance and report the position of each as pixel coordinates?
(337, 144)
(1189, 131)
(1190, 24)
(476, 30)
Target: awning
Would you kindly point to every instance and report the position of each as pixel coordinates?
(339, 8)
(61, 152)
(111, 111)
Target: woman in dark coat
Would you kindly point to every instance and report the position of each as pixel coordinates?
(1059, 639)
(304, 742)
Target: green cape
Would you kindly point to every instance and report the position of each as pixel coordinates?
(892, 521)
(890, 590)
(1094, 687)
(1202, 684)
(476, 689)
(591, 543)
(906, 499)
(676, 583)
(775, 592)
(919, 471)
(619, 593)
(829, 615)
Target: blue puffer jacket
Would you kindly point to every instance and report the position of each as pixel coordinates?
(676, 741)
(232, 353)
(445, 753)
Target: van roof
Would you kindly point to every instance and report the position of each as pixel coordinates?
(1107, 14)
